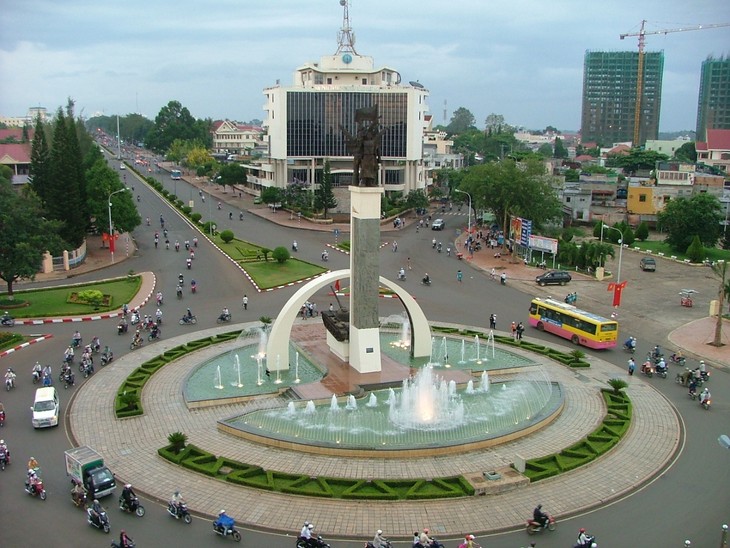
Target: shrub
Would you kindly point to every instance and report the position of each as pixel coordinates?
(265, 251)
(695, 251)
(130, 401)
(280, 254)
(617, 385)
(177, 441)
(227, 236)
(642, 231)
(195, 217)
(186, 209)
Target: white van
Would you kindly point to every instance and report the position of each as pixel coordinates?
(46, 408)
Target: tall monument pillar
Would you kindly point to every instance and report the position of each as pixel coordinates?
(364, 276)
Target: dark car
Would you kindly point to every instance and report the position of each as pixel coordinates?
(555, 277)
(648, 263)
(438, 224)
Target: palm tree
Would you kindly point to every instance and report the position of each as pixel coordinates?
(720, 269)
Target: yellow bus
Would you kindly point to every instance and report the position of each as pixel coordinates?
(569, 322)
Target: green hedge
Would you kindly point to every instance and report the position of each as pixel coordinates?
(613, 427)
(137, 378)
(8, 340)
(199, 460)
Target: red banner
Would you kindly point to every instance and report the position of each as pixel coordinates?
(337, 285)
(618, 289)
(111, 244)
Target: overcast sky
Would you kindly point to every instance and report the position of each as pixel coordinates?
(519, 58)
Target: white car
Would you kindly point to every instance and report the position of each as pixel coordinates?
(122, 166)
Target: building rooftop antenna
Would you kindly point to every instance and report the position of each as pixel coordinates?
(345, 36)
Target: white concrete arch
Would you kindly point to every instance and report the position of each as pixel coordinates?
(278, 343)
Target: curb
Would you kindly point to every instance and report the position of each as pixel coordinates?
(25, 345)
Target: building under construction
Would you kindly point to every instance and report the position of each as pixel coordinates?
(609, 96)
(713, 105)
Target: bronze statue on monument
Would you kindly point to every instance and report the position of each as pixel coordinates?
(365, 146)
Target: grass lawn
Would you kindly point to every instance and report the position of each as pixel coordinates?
(656, 246)
(54, 301)
(270, 273)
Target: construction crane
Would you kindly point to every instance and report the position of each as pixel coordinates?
(640, 74)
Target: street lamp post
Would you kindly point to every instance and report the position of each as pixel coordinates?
(109, 204)
(468, 223)
(620, 249)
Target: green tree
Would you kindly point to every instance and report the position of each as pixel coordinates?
(684, 218)
(695, 251)
(637, 159)
(199, 157)
(232, 174)
(77, 165)
(507, 188)
(280, 254)
(174, 121)
(101, 181)
(560, 150)
(461, 121)
(495, 123)
(572, 175)
(227, 236)
(416, 199)
(25, 235)
(545, 150)
(686, 153)
(642, 231)
(324, 198)
(597, 229)
(272, 195)
(40, 162)
(725, 243)
(63, 201)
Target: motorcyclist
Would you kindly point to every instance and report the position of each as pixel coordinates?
(158, 316)
(180, 279)
(539, 516)
(503, 278)
(427, 279)
(584, 539)
(38, 368)
(124, 540)
(193, 285)
(225, 314)
(96, 510)
(189, 263)
(47, 376)
(76, 339)
(188, 315)
(10, 376)
(630, 343)
(305, 530)
(424, 540)
(703, 368)
(33, 481)
(128, 495)
(295, 246)
(177, 501)
(224, 523)
(657, 352)
(325, 255)
(77, 493)
(4, 447)
(705, 395)
(402, 273)
(379, 541)
(159, 298)
(468, 542)
(95, 344)
(307, 535)
(179, 290)
(137, 340)
(32, 465)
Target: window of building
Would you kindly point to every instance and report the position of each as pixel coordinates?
(364, 81)
(642, 197)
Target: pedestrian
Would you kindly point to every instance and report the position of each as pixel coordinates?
(408, 262)
(514, 330)
(332, 308)
(492, 321)
(244, 302)
(459, 276)
(632, 367)
(520, 331)
(395, 246)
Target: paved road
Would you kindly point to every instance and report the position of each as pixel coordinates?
(698, 483)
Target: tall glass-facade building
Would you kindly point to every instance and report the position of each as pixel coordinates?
(713, 105)
(609, 96)
(305, 121)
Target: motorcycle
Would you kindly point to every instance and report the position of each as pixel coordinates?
(294, 247)
(534, 526)
(425, 281)
(75, 343)
(226, 531)
(706, 404)
(122, 328)
(100, 520)
(647, 369)
(179, 511)
(681, 360)
(9, 383)
(401, 277)
(661, 370)
(189, 264)
(630, 346)
(36, 489)
(590, 544)
(188, 320)
(107, 357)
(136, 342)
(135, 506)
(223, 318)
(193, 287)
(67, 379)
(2, 418)
(313, 543)
(135, 318)
(79, 499)
(86, 367)
(179, 292)
(4, 461)
(160, 301)
(130, 544)
(7, 321)
(154, 334)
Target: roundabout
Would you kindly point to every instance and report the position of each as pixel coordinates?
(130, 446)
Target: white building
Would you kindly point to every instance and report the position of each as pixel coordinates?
(234, 138)
(305, 121)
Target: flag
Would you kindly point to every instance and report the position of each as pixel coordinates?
(111, 243)
(618, 289)
(611, 286)
(337, 285)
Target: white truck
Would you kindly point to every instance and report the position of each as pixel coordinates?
(86, 467)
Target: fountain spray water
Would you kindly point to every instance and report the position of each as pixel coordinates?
(296, 368)
(463, 350)
(372, 400)
(484, 385)
(218, 384)
(425, 402)
(239, 384)
(477, 347)
(278, 371)
(259, 360)
(445, 352)
(351, 403)
(334, 406)
(470, 387)
(430, 357)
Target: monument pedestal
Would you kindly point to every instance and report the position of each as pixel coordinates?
(365, 276)
(341, 349)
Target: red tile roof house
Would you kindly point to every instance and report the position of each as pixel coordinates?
(716, 150)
